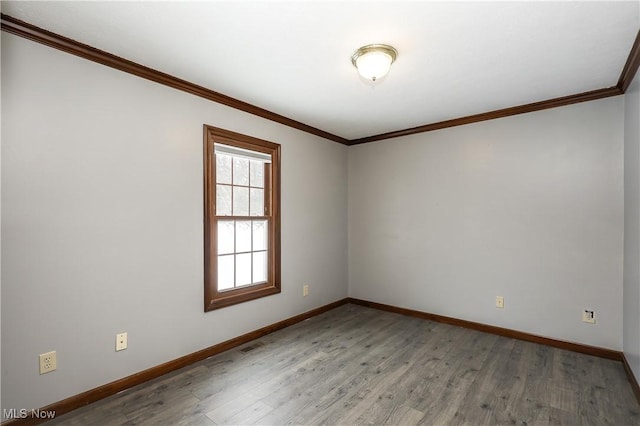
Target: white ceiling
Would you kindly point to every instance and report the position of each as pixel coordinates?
(293, 57)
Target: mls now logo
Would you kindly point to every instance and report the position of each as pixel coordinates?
(15, 413)
(23, 413)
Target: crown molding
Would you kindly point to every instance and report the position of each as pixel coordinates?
(48, 38)
(631, 66)
(626, 77)
(500, 113)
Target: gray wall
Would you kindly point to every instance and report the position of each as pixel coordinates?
(102, 230)
(632, 226)
(528, 207)
(102, 223)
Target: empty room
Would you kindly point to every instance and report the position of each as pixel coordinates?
(320, 212)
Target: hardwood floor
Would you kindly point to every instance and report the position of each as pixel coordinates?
(356, 365)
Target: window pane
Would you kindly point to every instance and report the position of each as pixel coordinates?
(223, 200)
(256, 174)
(223, 168)
(243, 269)
(240, 201)
(259, 267)
(260, 234)
(257, 202)
(243, 236)
(225, 236)
(225, 272)
(240, 171)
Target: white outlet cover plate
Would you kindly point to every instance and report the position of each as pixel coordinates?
(121, 341)
(48, 362)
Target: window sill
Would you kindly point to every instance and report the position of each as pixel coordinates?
(232, 297)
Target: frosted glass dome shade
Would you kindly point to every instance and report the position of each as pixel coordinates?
(374, 61)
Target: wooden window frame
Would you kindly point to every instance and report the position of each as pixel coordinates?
(214, 299)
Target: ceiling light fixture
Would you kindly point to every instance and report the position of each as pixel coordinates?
(373, 61)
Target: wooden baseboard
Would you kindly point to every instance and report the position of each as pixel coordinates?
(96, 394)
(575, 347)
(506, 332)
(631, 377)
(101, 392)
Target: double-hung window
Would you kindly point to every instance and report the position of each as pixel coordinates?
(241, 218)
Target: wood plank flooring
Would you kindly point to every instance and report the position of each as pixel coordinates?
(356, 365)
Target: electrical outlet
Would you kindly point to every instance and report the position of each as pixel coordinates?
(305, 290)
(48, 362)
(499, 302)
(121, 341)
(589, 316)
